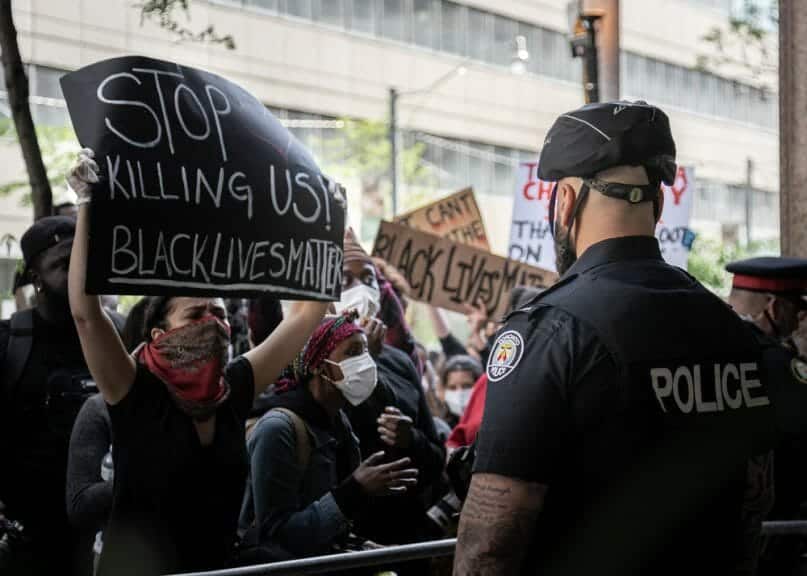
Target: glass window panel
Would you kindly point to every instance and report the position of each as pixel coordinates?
(393, 23)
(363, 16)
(329, 12)
(270, 5)
(505, 31)
(480, 164)
(549, 59)
(426, 23)
(480, 35)
(301, 8)
(452, 28)
(530, 32)
(47, 81)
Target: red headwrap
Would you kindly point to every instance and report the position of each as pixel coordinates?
(326, 337)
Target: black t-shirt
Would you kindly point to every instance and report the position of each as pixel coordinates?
(643, 478)
(36, 417)
(176, 502)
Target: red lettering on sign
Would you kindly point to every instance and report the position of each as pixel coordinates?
(679, 186)
(531, 179)
(544, 189)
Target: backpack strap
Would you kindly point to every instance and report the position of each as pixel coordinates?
(301, 433)
(20, 344)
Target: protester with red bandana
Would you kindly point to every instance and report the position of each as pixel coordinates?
(178, 412)
(306, 483)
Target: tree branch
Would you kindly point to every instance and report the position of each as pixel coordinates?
(17, 87)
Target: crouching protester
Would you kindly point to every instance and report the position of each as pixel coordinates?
(306, 480)
(177, 411)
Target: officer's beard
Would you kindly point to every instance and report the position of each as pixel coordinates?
(565, 254)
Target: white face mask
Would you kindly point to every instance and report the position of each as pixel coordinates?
(457, 400)
(358, 378)
(366, 300)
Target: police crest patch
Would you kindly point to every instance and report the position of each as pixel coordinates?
(505, 355)
(799, 368)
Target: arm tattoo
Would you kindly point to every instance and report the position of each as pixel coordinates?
(498, 518)
(757, 504)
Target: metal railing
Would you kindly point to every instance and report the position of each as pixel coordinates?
(345, 561)
(407, 553)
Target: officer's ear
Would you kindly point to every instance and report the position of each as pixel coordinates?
(156, 333)
(566, 197)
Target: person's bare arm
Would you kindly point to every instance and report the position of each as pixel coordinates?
(438, 322)
(496, 526)
(110, 365)
(276, 352)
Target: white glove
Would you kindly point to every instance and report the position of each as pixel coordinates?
(83, 175)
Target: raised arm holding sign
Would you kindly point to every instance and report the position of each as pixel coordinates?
(229, 225)
(205, 192)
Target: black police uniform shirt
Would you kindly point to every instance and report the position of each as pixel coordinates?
(636, 396)
(176, 502)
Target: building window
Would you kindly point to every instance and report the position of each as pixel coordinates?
(329, 12)
(426, 23)
(363, 16)
(393, 23)
(299, 8)
(453, 28)
(270, 5)
(480, 35)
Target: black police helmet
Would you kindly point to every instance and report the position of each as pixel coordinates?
(599, 136)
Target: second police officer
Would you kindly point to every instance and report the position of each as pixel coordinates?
(624, 403)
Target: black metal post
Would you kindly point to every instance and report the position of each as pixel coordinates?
(591, 70)
(393, 140)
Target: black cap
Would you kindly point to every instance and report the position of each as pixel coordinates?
(773, 274)
(599, 136)
(44, 234)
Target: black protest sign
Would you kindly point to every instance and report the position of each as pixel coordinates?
(203, 191)
(449, 274)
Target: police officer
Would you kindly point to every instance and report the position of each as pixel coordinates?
(44, 382)
(623, 403)
(768, 292)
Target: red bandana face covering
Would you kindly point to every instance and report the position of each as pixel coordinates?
(190, 360)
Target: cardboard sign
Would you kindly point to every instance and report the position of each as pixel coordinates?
(449, 274)
(203, 191)
(455, 217)
(530, 239)
(673, 232)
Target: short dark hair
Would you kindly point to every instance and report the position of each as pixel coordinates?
(157, 309)
(264, 315)
(133, 332)
(461, 363)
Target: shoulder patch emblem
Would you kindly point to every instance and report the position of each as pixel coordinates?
(505, 355)
(799, 368)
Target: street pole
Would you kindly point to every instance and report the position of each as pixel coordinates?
(607, 46)
(792, 127)
(591, 69)
(393, 141)
(749, 171)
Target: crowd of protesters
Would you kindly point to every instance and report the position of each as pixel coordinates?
(198, 433)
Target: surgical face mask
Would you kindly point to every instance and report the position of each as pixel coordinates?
(457, 400)
(366, 300)
(359, 378)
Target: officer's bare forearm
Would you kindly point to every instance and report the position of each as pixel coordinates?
(497, 524)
